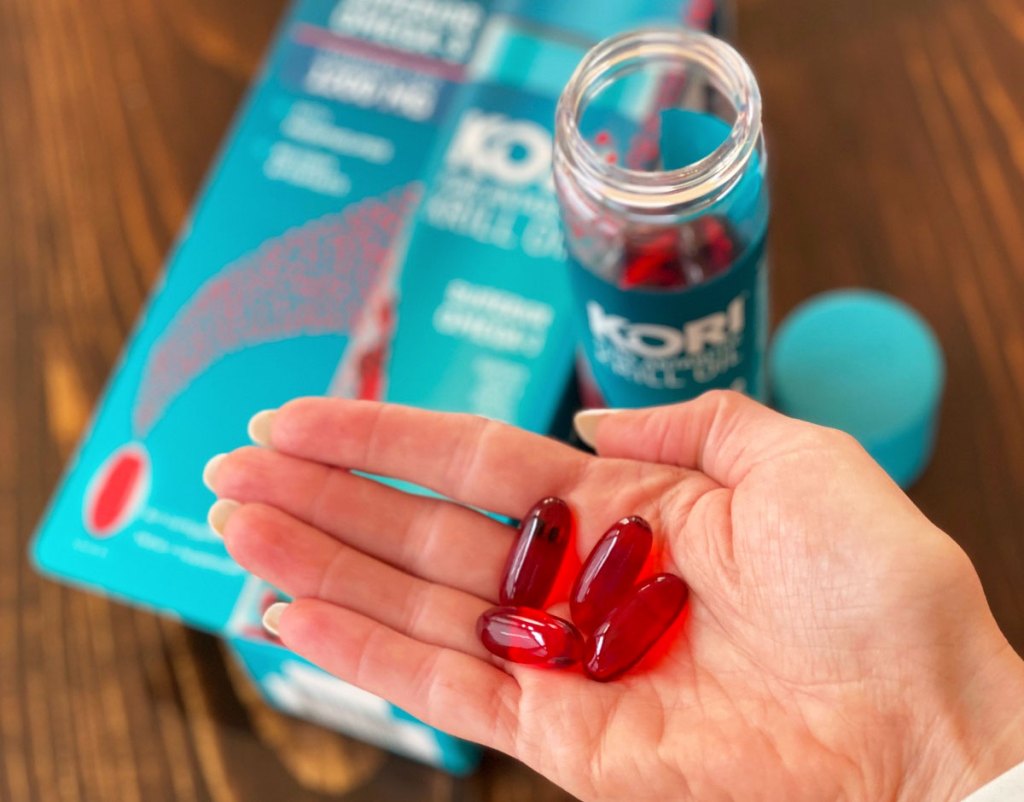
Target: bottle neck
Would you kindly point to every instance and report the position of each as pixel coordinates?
(651, 194)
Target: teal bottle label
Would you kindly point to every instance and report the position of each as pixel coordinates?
(649, 347)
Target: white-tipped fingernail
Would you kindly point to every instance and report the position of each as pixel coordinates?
(219, 513)
(259, 427)
(585, 423)
(211, 468)
(272, 617)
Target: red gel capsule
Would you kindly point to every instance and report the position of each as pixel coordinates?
(610, 572)
(717, 250)
(537, 554)
(633, 627)
(532, 637)
(654, 262)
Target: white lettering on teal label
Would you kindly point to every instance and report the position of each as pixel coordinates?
(372, 86)
(492, 145)
(494, 318)
(660, 356)
(496, 187)
(441, 28)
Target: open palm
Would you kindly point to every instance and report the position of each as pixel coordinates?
(826, 612)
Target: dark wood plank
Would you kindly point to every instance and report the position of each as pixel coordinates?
(898, 163)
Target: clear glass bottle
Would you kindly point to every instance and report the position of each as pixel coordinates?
(659, 166)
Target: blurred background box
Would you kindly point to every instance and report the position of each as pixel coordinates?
(325, 255)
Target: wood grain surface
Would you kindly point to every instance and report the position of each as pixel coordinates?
(896, 133)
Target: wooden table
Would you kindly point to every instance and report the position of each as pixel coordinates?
(896, 130)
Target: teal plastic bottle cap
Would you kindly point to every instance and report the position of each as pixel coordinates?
(865, 363)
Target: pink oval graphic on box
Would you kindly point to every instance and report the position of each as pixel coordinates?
(117, 490)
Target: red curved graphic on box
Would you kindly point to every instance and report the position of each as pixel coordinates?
(312, 280)
(117, 490)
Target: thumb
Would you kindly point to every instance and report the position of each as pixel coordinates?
(721, 433)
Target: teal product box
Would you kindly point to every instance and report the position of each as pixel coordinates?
(297, 687)
(332, 252)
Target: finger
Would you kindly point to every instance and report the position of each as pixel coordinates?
(721, 433)
(429, 538)
(468, 458)
(445, 688)
(304, 562)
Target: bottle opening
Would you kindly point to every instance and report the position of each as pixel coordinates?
(658, 121)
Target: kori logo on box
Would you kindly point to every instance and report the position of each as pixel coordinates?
(660, 356)
(492, 145)
(496, 187)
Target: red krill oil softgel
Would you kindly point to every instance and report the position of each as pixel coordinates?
(678, 258)
(528, 636)
(634, 626)
(537, 555)
(657, 262)
(610, 572)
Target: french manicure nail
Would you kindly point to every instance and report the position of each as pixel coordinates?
(219, 513)
(272, 617)
(259, 427)
(585, 423)
(211, 468)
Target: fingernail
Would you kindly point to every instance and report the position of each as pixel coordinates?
(272, 617)
(211, 468)
(585, 423)
(259, 427)
(219, 513)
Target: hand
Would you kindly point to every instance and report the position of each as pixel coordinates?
(838, 646)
